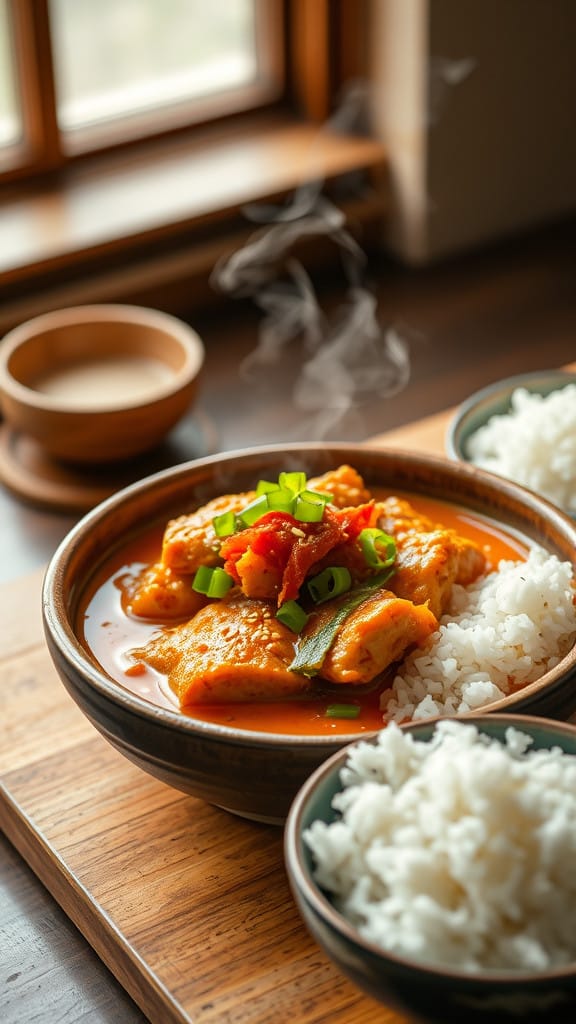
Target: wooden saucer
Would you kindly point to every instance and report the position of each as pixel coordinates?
(33, 475)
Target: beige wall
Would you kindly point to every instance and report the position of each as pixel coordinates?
(476, 100)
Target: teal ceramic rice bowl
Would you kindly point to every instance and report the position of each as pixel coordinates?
(434, 991)
(524, 429)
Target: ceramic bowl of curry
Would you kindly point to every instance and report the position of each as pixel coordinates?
(323, 629)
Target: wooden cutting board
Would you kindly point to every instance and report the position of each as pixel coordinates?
(187, 905)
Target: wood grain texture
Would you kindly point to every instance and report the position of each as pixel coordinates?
(187, 905)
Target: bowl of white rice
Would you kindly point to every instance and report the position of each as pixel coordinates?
(523, 428)
(435, 864)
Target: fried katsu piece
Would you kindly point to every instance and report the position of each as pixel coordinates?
(374, 636)
(232, 650)
(429, 558)
(237, 650)
(344, 484)
(159, 593)
(190, 540)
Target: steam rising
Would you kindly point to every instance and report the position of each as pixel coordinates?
(444, 74)
(347, 358)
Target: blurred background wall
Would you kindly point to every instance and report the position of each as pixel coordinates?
(476, 101)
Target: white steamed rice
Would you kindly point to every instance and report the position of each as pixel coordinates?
(534, 444)
(498, 634)
(460, 851)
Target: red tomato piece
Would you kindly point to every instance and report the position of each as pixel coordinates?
(290, 547)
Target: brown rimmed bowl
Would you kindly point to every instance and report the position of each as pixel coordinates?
(434, 994)
(250, 773)
(99, 383)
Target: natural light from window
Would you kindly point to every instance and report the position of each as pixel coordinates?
(10, 120)
(115, 59)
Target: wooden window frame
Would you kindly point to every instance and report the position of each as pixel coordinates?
(59, 250)
(46, 148)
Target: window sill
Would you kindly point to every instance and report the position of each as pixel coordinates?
(168, 209)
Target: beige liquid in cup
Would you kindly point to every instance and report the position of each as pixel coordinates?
(106, 383)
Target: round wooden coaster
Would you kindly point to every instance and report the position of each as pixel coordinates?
(37, 478)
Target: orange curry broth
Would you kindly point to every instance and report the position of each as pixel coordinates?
(109, 634)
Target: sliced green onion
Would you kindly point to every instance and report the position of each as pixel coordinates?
(224, 524)
(211, 581)
(342, 711)
(292, 615)
(265, 487)
(378, 548)
(280, 500)
(313, 649)
(294, 482)
(252, 512)
(306, 511)
(332, 582)
(288, 495)
(316, 496)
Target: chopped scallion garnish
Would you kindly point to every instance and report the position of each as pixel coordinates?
(291, 614)
(265, 486)
(316, 496)
(334, 580)
(280, 500)
(252, 512)
(212, 581)
(224, 524)
(378, 548)
(342, 711)
(289, 495)
(306, 511)
(294, 482)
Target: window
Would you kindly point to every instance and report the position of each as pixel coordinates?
(114, 60)
(80, 75)
(134, 134)
(10, 117)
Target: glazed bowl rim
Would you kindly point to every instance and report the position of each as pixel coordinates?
(60, 634)
(302, 881)
(126, 314)
(501, 387)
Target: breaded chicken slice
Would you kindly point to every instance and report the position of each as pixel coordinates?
(159, 593)
(232, 650)
(442, 555)
(344, 484)
(397, 517)
(374, 636)
(190, 541)
(425, 569)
